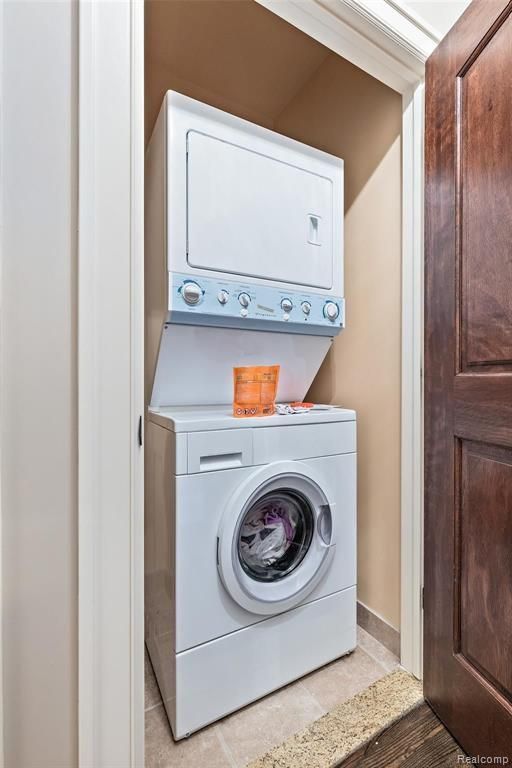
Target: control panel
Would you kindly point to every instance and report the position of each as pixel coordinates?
(234, 304)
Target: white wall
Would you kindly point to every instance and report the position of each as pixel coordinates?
(38, 383)
(440, 15)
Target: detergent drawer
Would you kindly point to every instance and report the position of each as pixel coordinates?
(219, 449)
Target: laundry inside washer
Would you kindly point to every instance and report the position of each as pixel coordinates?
(275, 535)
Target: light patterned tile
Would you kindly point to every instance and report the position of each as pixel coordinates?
(248, 734)
(201, 750)
(266, 723)
(342, 679)
(376, 650)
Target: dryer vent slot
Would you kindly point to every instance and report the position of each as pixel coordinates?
(220, 461)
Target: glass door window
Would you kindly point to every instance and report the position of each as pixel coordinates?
(275, 534)
(276, 538)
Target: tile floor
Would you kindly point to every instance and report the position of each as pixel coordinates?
(239, 738)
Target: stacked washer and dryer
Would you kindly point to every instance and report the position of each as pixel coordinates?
(250, 554)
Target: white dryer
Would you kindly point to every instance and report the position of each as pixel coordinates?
(250, 554)
(244, 254)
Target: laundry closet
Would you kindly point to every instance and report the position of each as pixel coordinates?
(239, 57)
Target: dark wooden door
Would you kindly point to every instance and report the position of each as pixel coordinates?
(468, 380)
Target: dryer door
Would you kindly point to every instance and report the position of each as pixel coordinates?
(235, 221)
(276, 538)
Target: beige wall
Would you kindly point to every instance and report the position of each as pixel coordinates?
(344, 111)
(236, 56)
(38, 384)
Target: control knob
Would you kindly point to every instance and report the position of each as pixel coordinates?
(286, 305)
(331, 311)
(244, 299)
(306, 307)
(222, 297)
(191, 292)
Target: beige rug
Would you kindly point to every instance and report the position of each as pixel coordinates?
(331, 738)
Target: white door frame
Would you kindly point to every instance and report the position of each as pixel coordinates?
(378, 37)
(2, 758)
(110, 384)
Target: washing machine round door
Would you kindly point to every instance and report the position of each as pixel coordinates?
(276, 538)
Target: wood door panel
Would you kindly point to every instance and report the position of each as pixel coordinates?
(468, 380)
(484, 543)
(482, 407)
(484, 138)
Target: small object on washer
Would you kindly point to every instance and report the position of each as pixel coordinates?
(285, 409)
(298, 404)
(255, 388)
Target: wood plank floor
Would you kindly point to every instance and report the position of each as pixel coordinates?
(419, 740)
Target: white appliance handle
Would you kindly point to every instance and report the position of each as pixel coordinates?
(326, 512)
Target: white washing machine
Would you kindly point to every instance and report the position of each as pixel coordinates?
(250, 554)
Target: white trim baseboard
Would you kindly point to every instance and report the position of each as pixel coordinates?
(378, 628)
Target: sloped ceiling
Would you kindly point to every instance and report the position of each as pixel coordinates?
(233, 54)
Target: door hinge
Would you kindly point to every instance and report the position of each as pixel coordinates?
(139, 431)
